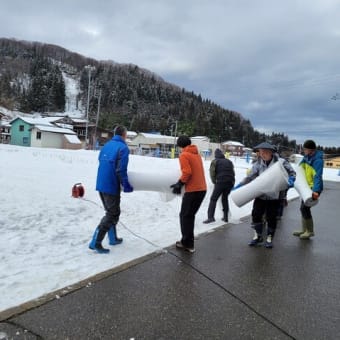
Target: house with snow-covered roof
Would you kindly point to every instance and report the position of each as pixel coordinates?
(79, 126)
(5, 132)
(233, 147)
(154, 144)
(150, 143)
(41, 132)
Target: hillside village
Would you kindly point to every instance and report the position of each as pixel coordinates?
(50, 80)
(71, 130)
(115, 93)
(64, 132)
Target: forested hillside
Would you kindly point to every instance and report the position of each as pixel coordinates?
(31, 80)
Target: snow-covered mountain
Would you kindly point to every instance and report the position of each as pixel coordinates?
(37, 77)
(73, 105)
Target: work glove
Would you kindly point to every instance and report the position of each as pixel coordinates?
(291, 180)
(177, 188)
(315, 195)
(237, 186)
(127, 186)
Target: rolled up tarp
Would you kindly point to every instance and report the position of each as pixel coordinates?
(159, 176)
(270, 182)
(303, 188)
(153, 181)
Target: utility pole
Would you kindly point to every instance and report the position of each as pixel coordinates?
(97, 118)
(89, 68)
(175, 135)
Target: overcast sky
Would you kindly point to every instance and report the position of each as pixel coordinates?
(275, 62)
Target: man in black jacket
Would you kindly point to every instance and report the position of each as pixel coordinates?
(223, 176)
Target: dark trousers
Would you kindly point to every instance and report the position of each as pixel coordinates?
(190, 204)
(268, 207)
(111, 205)
(305, 211)
(221, 188)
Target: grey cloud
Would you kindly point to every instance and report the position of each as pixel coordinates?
(276, 63)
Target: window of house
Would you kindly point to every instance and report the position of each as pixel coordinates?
(21, 127)
(25, 140)
(38, 135)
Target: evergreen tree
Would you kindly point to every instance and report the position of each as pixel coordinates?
(31, 79)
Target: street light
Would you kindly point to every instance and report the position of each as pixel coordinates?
(97, 118)
(89, 68)
(175, 135)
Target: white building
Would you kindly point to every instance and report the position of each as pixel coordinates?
(233, 147)
(44, 136)
(41, 132)
(161, 145)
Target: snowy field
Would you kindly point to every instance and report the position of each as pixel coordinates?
(45, 231)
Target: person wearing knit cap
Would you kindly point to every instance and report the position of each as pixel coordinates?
(223, 176)
(312, 165)
(193, 180)
(309, 144)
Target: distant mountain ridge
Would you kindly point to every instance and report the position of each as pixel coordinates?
(33, 75)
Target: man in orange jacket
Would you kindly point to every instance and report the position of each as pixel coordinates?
(193, 180)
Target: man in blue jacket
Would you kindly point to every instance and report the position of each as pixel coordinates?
(312, 164)
(112, 174)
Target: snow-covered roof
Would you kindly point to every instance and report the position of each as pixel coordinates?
(34, 121)
(5, 123)
(78, 120)
(51, 119)
(230, 142)
(73, 139)
(203, 138)
(131, 133)
(7, 112)
(45, 124)
(65, 126)
(154, 135)
(54, 129)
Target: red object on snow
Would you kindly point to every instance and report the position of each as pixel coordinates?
(78, 190)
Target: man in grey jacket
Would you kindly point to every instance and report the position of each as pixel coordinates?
(266, 204)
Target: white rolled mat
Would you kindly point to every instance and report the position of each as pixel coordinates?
(303, 188)
(269, 182)
(153, 181)
(158, 177)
